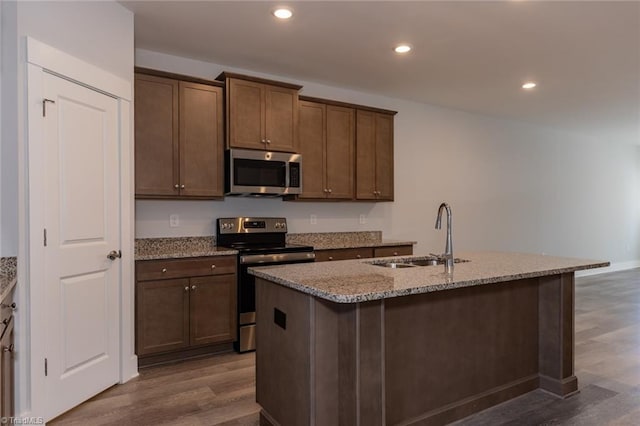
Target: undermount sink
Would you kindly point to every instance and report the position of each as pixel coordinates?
(395, 265)
(410, 263)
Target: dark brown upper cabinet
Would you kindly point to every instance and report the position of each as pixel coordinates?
(261, 114)
(327, 144)
(374, 155)
(179, 137)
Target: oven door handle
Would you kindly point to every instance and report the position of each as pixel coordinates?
(258, 259)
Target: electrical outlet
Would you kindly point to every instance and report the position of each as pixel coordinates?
(174, 220)
(313, 219)
(363, 219)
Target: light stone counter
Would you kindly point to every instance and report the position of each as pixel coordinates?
(7, 275)
(353, 281)
(343, 240)
(181, 247)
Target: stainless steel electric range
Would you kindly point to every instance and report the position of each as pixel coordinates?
(260, 241)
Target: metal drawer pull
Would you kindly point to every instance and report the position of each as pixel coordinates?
(330, 257)
(186, 288)
(181, 186)
(164, 270)
(176, 186)
(213, 266)
(193, 287)
(358, 256)
(11, 306)
(8, 349)
(395, 253)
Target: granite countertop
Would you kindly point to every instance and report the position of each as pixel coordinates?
(342, 240)
(352, 281)
(8, 277)
(180, 247)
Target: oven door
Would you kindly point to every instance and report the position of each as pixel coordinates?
(247, 300)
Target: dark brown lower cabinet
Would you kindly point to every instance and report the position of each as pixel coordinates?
(191, 312)
(7, 381)
(362, 252)
(6, 371)
(212, 309)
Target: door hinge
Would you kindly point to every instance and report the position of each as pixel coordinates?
(46, 369)
(44, 106)
(45, 236)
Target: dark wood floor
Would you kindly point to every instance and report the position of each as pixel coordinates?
(221, 390)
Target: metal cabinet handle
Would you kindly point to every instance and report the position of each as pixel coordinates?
(176, 186)
(329, 191)
(164, 270)
(358, 256)
(113, 254)
(395, 253)
(330, 257)
(181, 186)
(9, 348)
(186, 288)
(268, 141)
(11, 306)
(213, 266)
(193, 287)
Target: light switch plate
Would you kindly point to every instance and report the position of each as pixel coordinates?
(313, 219)
(174, 220)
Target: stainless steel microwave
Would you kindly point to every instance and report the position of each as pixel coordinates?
(254, 172)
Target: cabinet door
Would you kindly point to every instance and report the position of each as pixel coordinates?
(162, 316)
(213, 309)
(311, 131)
(340, 141)
(7, 371)
(156, 136)
(281, 115)
(365, 155)
(246, 119)
(201, 140)
(384, 156)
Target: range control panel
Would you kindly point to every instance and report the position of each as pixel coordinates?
(248, 225)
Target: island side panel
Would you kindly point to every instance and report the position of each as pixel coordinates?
(556, 294)
(451, 353)
(334, 367)
(283, 356)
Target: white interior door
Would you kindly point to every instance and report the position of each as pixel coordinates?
(82, 225)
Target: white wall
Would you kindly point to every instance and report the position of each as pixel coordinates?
(8, 131)
(512, 186)
(100, 33)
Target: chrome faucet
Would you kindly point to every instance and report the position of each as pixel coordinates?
(448, 252)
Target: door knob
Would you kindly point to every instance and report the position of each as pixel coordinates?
(113, 254)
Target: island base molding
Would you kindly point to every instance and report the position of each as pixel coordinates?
(426, 359)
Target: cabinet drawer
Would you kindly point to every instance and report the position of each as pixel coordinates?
(393, 251)
(184, 268)
(343, 254)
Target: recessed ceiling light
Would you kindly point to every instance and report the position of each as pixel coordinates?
(529, 85)
(402, 48)
(283, 13)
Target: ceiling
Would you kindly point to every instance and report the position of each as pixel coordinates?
(472, 56)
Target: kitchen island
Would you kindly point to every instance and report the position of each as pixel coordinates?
(357, 343)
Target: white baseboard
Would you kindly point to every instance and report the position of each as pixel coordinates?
(618, 266)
